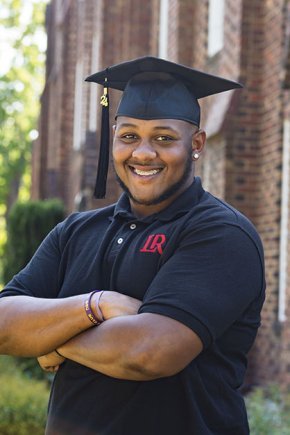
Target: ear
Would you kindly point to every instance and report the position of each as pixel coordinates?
(198, 141)
(114, 129)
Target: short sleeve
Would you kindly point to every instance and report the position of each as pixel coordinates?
(40, 277)
(207, 284)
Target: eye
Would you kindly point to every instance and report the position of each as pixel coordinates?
(128, 137)
(164, 138)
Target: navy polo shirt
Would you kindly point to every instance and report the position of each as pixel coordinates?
(200, 262)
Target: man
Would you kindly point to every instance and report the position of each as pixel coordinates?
(161, 349)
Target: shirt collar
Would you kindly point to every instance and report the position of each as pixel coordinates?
(180, 206)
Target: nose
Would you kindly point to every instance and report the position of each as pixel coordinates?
(144, 151)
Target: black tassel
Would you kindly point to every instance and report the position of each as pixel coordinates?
(104, 151)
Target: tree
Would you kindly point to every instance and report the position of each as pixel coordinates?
(21, 82)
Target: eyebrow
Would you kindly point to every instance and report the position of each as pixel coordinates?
(127, 125)
(164, 127)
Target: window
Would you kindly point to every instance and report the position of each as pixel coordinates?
(215, 26)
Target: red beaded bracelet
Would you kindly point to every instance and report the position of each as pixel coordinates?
(88, 308)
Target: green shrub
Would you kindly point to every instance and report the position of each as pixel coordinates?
(23, 402)
(28, 223)
(268, 411)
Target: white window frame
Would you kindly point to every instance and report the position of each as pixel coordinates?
(78, 106)
(93, 88)
(216, 12)
(163, 29)
(284, 231)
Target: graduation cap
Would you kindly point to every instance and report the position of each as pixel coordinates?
(152, 88)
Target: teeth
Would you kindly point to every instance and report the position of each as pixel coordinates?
(146, 173)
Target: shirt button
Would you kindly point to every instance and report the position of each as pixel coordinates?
(120, 240)
(133, 226)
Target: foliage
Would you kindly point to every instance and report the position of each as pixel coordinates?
(28, 223)
(23, 402)
(22, 59)
(21, 82)
(3, 240)
(268, 411)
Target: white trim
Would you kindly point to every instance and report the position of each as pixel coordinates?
(284, 233)
(216, 12)
(77, 134)
(163, 29)
(93, 88)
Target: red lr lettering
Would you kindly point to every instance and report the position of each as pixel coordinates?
(147, 243)
(154, 243)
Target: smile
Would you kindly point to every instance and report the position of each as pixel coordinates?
(145, 173)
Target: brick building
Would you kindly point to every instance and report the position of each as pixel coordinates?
(247, 156)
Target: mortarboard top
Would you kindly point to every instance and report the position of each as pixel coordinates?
(153, 89)
(201, 84)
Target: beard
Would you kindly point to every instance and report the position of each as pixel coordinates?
(170, 191)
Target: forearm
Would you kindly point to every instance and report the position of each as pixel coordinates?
(34, 326)
(114, 348)
(138, 347)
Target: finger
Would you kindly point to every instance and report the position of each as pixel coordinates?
(52, 369)
(48, 368)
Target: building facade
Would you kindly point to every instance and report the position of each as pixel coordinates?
(246, 161)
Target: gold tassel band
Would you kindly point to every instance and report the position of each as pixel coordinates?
(104, 98)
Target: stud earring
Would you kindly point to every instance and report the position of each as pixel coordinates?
(195, 155)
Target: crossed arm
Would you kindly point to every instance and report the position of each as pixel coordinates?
(126, 345)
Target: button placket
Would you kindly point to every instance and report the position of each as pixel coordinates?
(120, 247)
(120, 240)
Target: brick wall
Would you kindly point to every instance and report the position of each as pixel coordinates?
(253, 178)
(213, 166)
(217, 108)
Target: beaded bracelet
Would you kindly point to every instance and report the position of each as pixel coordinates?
(88, 308)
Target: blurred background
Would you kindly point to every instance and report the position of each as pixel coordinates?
(49, 130)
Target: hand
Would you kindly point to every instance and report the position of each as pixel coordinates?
(50, 362)
(114, 304)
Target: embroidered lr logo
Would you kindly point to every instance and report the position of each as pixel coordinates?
(154, 243)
